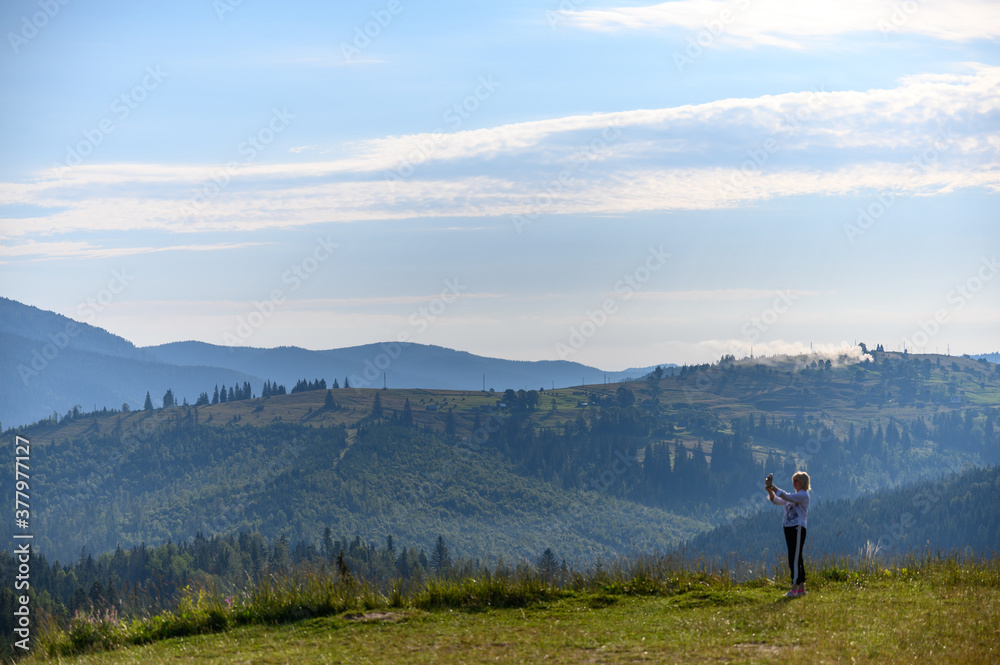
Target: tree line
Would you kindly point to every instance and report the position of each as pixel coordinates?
(142, 581)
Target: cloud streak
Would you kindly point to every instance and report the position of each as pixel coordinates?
(41, 251)
(796, 25)
(722, 154)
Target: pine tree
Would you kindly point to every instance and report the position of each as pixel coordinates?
(96, 595)
(222, 394)
(440, 560)
(403, 565)
(376, 406)
(407, 418)
(342, 570)
(328, 544)
(148, 404)
(168, 399)
(281, 556)
(547, 564)
(449, 424)
(329, 403)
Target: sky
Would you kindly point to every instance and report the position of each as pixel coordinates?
(615, 183)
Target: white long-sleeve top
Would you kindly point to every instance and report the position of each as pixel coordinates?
(796, 506)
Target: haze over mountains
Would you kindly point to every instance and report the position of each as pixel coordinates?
(51, 363)
(591, 471)
(600, 471)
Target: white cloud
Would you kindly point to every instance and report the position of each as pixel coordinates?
(40, 251)
(931, 134)
(799, 24)
(702, 295)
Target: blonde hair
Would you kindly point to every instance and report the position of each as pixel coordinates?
(803, 478)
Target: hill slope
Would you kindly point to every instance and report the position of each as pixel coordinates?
(957, 512)
(150, 477)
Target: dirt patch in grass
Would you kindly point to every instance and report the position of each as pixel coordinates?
(762, 648)
(388, 617)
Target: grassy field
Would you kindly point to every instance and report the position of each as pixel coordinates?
(944, 611)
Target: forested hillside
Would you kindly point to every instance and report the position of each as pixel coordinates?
(959, 512)
(182, 477)
(598, 469)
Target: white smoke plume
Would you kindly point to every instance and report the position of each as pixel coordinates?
(800, 354)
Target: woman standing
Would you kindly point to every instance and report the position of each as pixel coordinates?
(796, 507)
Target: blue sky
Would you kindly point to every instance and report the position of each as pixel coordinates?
(615, 183)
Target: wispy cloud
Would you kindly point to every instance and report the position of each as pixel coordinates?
(799, 24)
(41, 251)
(701, 295)
(720, 154)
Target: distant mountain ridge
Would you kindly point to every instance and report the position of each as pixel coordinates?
(62, 332)
(51, 363)
(394, 364)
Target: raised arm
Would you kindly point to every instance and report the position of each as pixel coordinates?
(770, 490)
(798, 498)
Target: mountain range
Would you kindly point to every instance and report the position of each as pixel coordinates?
(51, 363)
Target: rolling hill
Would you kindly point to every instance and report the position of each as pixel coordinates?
(598, 470)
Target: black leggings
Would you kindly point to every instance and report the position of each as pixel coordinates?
(795, 538)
